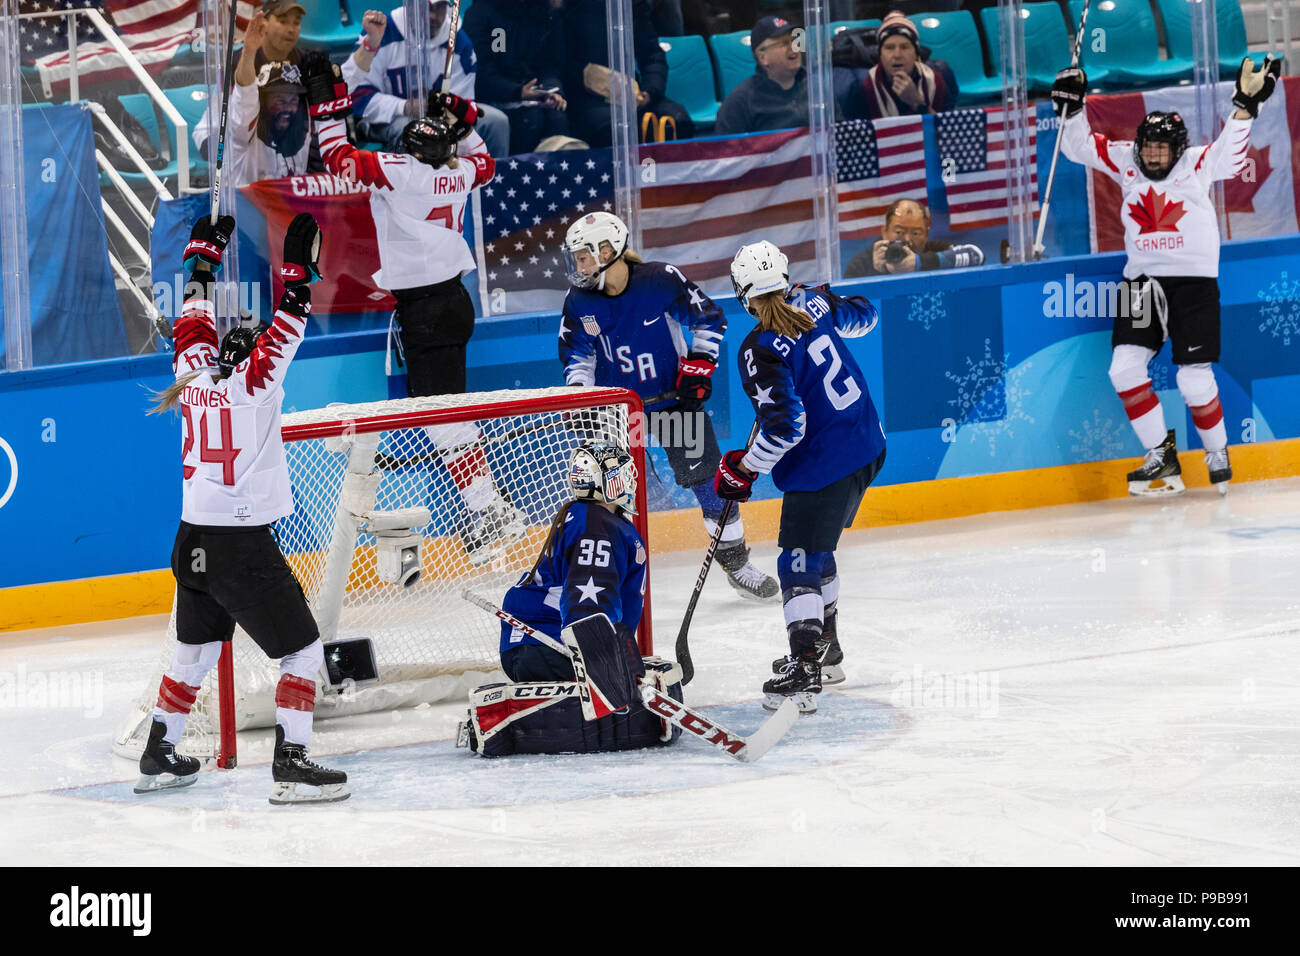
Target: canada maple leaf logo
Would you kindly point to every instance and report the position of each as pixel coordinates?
(1155, 214)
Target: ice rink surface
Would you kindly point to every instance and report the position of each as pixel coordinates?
(1109, 683)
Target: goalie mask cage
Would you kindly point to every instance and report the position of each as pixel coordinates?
(367, 475)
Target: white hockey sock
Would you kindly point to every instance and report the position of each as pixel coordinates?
(732, 531)
(806, 605)
(295, 694)
(830, 592)
(1201, 392)
(1145, 414)
(180, 685)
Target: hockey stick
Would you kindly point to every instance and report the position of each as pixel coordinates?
(1056, 150)
(226, 81)
(391, 463)
(683, 649)
(745, 749)
(454, 16)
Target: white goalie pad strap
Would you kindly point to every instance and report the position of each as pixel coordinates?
(359, 492)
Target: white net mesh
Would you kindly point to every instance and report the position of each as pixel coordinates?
(474, 488)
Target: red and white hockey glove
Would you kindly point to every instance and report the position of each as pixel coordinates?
(464, 111)
(694, 381)
(301, 265)
(327, 95)
(733, 481)
(208, 243)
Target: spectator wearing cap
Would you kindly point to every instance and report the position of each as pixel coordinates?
(376, 77)
(905, 246)
(776, 96)
(900, 84)
(267, 127)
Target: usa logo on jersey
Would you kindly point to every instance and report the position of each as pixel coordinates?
(590, 324)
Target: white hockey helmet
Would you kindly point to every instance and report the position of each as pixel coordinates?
(757, 269)
(600, 471)
(587, 235)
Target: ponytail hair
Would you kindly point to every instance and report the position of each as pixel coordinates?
(774, 314)
(549, 546)
(632, 256)
(169, 398)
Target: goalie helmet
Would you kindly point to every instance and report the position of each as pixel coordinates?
(587, 235)
(430, 141)
(758, 269)
(237, 345)
(1160, 128)
(600, 471)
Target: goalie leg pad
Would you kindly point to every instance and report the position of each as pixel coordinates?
(546, 718)
(606, 659)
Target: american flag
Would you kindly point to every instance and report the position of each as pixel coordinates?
(152, 29)
(707, 199)
(523, 215)
(875, 164)
(973, 157)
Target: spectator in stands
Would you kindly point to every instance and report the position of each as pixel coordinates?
(588, 63)
(523, 76)
(267, 128)
(905, 246)
(776, 96)
(376, 77)
(900, 84)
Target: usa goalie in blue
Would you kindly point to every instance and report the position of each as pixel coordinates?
(622, 326)
(588, 586)
(821, 440)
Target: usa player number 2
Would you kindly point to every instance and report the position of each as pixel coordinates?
(822, 349)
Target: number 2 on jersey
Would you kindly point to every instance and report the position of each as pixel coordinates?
(821, 349)
(223, 454)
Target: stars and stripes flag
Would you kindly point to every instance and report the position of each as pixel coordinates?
(876, 163)
(152, 29)
(973, 160)
(521, 219)
(701, 201)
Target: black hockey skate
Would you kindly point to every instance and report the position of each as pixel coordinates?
(1220, 469)
(748, 580)
(493, 531)
(1160, 473)
(800, 679)
(161, 767)
(832, 663)
(291, 769)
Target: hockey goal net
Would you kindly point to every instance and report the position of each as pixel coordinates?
(462, 488)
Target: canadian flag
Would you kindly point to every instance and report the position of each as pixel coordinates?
(1262, 200)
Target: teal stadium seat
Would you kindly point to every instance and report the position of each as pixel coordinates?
(1177, 18)
(690, 77)
(1047, 44)
(952, 37)
(1132, 53)
(733, 60)
(190, 102)
(839, 26)
(323, 27)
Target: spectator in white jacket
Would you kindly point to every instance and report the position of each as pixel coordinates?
(376, 75)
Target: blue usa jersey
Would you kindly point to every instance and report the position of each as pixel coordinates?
(597, 564)
(634, 339)
(817, 422)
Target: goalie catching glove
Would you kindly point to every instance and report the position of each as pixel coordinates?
(327, 95)
(733, 482)
(1068, 91)
(1255, 86)
(694, 381)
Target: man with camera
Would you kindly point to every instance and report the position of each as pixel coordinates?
(905, 246)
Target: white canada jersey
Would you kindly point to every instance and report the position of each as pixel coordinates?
(1170, 228)
(419, 211)
(232, 456)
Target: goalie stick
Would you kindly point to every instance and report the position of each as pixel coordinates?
(745, 749)
(683, 649)
(1056, 150)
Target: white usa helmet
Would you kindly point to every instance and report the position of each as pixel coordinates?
(758, 269)
(587, 234)
(600, 471)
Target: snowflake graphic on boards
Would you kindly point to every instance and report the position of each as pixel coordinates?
(1280, 312)
(1097, 439)
(926, 308)
(990, 397)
